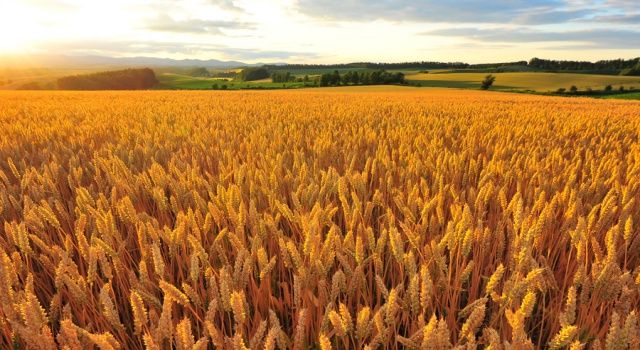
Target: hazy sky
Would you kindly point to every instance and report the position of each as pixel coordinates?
(325, 30)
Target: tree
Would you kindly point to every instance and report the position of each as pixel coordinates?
(608, 88)
(200, 72)
(335, 78)
(253, 73)
(573, 89)
(281, 77)
(355, 78)
(365, 78)
(399, 78)
(325, 79)
(346, 78)
(487, 82)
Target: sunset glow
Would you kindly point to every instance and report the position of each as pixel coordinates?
(322, 31)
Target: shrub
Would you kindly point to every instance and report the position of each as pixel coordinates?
(487, 82)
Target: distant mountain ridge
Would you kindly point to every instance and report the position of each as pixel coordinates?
(63, 61)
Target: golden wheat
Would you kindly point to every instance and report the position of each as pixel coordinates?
(309, 219)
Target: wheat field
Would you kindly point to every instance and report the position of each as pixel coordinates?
(413, 219)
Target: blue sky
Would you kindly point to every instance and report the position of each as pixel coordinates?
(325, 30)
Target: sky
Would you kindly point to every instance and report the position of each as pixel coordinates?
(324, 31)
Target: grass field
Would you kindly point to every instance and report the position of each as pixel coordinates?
(320, 71)
(626, 96)
(185, 82)
(344, 218)
(537, 81)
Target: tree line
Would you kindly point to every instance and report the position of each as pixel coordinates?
(253, 73)
(613, 66)
(618, 66)
(378, 77)
(127, 79)
(369, 65)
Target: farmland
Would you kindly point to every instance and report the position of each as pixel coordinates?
(185, 82)
(539, 82)
(344, 218)
(536, 81)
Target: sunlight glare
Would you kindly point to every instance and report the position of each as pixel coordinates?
(16, 31)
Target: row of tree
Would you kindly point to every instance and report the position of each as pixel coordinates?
(607, 90)
(370, 65)
(127, 79)
(378, 77)
(634, 71)
(202, 72)
(619, 65)
(282, 77)
(615, 66)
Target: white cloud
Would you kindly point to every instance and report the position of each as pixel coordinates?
(327, 30)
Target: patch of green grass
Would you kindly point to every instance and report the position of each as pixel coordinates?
(624, 96)
(455, 84)
(319, 71)
(184, 82)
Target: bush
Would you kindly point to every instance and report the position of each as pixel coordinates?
(487, 82)
(561, 90)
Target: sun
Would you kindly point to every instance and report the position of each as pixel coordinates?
(16, 31)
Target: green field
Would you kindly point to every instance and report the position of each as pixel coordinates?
(625, 96)
(184, 82)
(539, 82)
(319, 71)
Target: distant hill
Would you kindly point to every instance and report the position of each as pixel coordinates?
(63, 61)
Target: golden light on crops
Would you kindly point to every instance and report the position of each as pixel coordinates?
(418, 219)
